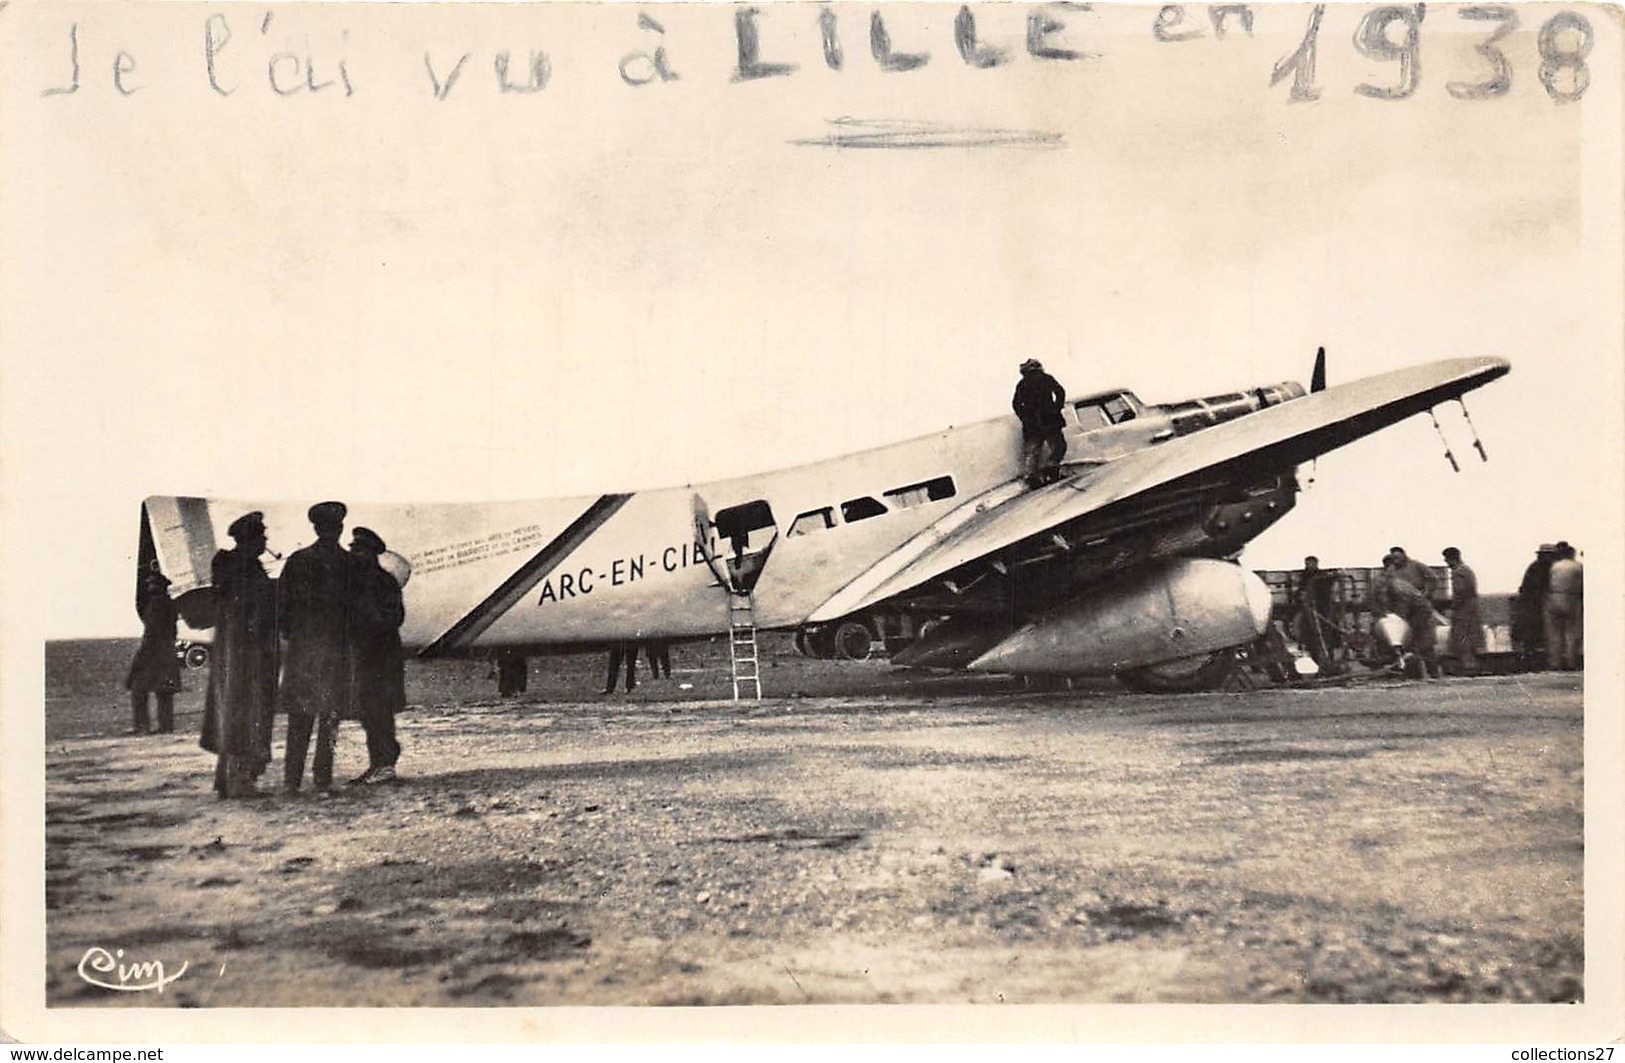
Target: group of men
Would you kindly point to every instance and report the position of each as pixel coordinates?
(1548, 615)
(340, 614)
(1404, 588)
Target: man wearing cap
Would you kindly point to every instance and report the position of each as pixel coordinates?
(1466, 622)
(1037, 402)
(1529, 610)
(377, 667)
(242, 662)
(1565, 610)
(315, 599)
(155, 669)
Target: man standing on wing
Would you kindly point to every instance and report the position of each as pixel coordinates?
(1037, 402)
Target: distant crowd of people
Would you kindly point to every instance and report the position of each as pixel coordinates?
(321, 644)
(1547, 614)
(513, 668)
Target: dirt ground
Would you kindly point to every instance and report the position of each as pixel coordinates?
(913, 839)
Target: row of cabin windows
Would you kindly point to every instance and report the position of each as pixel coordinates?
(857, 509)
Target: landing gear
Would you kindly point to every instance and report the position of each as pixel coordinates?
(1184, 676)
(845, 640)
(852, 640)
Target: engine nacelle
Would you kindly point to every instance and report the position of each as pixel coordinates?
(1180, 609)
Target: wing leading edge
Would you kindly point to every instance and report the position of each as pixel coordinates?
(1270, 440)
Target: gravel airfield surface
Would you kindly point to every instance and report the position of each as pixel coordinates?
(864, 835)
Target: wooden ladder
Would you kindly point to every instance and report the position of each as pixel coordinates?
(742, 649)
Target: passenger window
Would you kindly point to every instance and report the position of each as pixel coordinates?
(861, 509)
(813, 521)
(921, 493)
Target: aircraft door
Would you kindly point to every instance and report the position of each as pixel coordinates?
(749, 533)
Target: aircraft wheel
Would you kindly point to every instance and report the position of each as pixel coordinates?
(852, 640)
(197, 655)
(819, 641)
(1187, 675)
(801, 642)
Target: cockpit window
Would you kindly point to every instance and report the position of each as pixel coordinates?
(1090, 416)
(1102, 412)
(1118, 409)
(861, 509)
(921, 493)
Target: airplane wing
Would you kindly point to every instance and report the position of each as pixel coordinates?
(1271, 439)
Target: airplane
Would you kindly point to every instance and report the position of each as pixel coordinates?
(1126, 566)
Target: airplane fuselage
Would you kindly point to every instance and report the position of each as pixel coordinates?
(586, 570)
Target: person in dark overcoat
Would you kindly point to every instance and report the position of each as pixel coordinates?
(315, 595)
(155, 669)
(1529, 610)
(377, 665)
(1038, 401)
(242, 663)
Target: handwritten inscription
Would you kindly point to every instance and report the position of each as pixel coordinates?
(236, 55)
(107, 970)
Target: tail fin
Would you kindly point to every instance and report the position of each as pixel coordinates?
(1317, 380)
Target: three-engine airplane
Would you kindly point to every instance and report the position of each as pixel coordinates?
(1125, 566)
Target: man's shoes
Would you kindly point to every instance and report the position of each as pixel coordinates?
(364, 778)
(374, 776)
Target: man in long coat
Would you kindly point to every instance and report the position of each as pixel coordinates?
(1529, 610)
(155, 669)
(1466, 621)
(377, 666)
(1038, 401)
(315, 596)
(242, 663)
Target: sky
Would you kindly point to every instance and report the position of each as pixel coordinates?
(409, 286)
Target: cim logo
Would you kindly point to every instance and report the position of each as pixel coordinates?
(108, 970)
